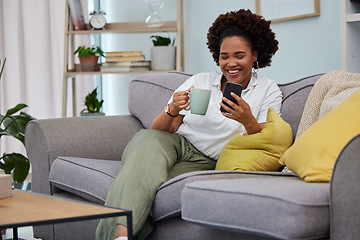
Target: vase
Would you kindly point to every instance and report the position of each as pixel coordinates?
(163, 58)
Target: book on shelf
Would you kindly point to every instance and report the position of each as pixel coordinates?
(123, 53)
(124, 68)
(125, 58)
(77, 15)
(127, 64)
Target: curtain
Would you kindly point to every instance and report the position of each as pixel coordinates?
(32, 39)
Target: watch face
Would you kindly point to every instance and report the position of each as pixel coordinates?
(97, 21)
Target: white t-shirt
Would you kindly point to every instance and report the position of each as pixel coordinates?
(211, 132)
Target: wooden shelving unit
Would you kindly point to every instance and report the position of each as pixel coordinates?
(350, 36)
(71, 70)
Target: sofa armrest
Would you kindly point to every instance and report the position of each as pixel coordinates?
(88, 137)
(345, 193)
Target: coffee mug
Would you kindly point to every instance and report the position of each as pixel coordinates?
(199, 101)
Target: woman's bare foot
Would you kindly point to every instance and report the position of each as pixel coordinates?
(121, 231)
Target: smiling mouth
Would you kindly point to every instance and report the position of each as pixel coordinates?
(235, 71)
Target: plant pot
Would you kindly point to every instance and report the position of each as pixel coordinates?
(89, 64)
(163, 58)
(86, 114)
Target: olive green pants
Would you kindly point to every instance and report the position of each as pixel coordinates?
(151, 158)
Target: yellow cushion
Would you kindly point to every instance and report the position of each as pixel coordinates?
(313, 154)
(260, 151)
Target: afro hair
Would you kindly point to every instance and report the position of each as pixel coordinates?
(256, 26)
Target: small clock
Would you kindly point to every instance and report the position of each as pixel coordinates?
(97, 20)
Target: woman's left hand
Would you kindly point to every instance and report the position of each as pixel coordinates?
(241, 113)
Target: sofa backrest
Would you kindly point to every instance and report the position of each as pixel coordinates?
(149, 93)
(294, 98)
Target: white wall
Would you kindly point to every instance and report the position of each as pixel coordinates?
(307, 46)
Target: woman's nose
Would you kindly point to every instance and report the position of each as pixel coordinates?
(232, 62)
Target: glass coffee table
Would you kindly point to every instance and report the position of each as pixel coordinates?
(31, 209)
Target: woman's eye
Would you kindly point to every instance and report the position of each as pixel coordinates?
(240, 57)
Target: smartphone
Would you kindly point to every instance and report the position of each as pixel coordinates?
(231, 87)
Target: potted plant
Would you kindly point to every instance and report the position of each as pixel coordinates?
(163, 53)
(14, 126)
(88, 57)
(93, 105)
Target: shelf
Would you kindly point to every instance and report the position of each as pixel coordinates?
(129, 27)
(353, 17)
(70, 73)
(350, 36)
(103, 73)
(78, 71)
(72, 70)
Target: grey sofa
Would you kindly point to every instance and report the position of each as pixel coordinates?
(79, 157)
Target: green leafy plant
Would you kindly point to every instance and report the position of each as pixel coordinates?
(162, 41)
(84, 51)
(92, 103)
(14, 126)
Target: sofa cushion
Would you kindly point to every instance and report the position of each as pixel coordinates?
(285, 208)
(260, 151)
(84, 177)
(167, 202)
(314, 153)
(335, 85)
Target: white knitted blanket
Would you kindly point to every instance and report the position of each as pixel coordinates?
(328, 92)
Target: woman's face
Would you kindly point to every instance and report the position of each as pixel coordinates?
(236, 60)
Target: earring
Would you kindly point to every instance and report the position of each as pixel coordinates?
(216, 70)
(255, 67)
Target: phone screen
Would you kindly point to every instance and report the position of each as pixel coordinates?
(231, 87)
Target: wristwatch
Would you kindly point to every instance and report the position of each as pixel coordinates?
(167, 110)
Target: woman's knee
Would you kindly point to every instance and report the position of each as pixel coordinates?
(153, 138)
(149, 142)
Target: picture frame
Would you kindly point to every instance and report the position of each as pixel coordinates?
(284, 10)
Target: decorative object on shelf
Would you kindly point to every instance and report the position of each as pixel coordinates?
(77, 15)
(97, 20)
(14, 126)
(163, 53)
(154, 20)
(92, 104)
(88, 57)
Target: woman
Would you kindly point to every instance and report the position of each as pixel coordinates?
(181, 142)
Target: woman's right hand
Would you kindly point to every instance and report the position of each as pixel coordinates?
(180, 101)
(170, 124)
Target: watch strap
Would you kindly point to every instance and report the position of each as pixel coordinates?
(167, 107)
